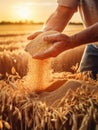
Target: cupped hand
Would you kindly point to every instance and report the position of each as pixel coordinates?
(61, 42)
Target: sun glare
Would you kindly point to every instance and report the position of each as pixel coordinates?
(23, 13)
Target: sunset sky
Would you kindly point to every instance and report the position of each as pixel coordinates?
(36, 10)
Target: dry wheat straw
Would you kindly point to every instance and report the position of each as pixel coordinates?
(21, 109)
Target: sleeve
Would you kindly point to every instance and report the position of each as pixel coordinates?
(69, 3)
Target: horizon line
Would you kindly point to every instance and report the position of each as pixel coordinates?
(3, 22)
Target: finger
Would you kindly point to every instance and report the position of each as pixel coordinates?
(32, 36)
(44, 55)
(51, 52)
(52, 38)
(40, 56)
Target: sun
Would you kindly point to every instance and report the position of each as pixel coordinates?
(23, 13)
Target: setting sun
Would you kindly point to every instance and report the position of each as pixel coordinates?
(32, 10)
(23, 12)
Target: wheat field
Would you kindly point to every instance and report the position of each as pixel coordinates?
(48, 95)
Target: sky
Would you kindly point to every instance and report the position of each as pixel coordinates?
(35, 10)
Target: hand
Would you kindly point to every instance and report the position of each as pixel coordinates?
(32, 36)
(61, 42)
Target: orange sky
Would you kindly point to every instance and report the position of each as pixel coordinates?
(36, 10)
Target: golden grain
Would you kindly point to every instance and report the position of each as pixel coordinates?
(25, 107)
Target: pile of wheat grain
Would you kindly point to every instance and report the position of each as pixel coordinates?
(73, 106)
(22, 109)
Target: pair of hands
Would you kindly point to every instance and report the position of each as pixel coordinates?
(61, 42)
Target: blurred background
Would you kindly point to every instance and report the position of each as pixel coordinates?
(20, 18)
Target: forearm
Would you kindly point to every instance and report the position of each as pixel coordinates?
(88, 35)
(59, 19)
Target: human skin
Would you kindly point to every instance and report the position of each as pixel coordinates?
(58, 21)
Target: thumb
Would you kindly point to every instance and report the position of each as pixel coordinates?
(32, 36)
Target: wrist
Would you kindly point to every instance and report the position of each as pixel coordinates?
(72, 41)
